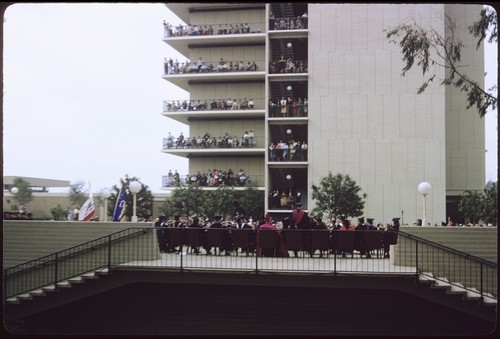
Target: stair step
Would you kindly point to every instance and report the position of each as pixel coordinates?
(76, 280)
(489, 300)
(49, 288)
(64, 283)
(90, 275)
(103, 271)
(25, 296)
(473, 294)
(38, 292)
(457, 288)
(441, 283)
(12, 300)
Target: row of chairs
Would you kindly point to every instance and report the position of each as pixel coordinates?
(278, 243)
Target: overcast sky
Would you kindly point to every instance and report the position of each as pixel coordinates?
(83, 94)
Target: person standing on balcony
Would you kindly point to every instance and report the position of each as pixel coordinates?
(199, 64)
(165, 65)
(283, 108)
(246, 138)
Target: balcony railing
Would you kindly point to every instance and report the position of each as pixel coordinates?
(280, 24)
(209, 142)
(293, 110)
(290, 153)
(212, 105)
(280, 250)
(186, 180)
(171, 31)
(288, 66)
(219, 66)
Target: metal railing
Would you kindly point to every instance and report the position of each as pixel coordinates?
(124, 246)
(446, 264)
(171, 31)
(212, 104)
(186, 180)
(312, 251)
(298, 110)
(290, 66)
(279, 24)
(215, 66)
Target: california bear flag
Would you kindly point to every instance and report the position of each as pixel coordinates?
(87, 211)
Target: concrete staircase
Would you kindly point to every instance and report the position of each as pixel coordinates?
(444, 270)
(28, 240)
(456, 288)
(477, 241)
(48, 289)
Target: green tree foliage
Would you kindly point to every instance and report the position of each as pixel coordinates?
(25, 193)
(144, 199)
(58, 213)
(424, 48)
(220, 202)
(251, 202)
(487, 23)
(471, 205)
(76, 194)
(338, 195)
(490, 204)
(185, 201)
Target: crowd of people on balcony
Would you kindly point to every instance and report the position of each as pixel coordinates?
(288, 151)
(288, 65)
(284, 199)
(214, 104)
(200, 66)
(299, 22)
(211, 178)
(288, 107)
(247, 140)
(194, 30)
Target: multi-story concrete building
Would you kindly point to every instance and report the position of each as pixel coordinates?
(344, 98)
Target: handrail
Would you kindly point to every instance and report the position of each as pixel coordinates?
(66, 262)
(228, 104)
(412, 255)
(41, 260)
(175, 31)
(454, 267)
(447, 248)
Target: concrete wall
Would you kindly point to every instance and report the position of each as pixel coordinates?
(366, 120)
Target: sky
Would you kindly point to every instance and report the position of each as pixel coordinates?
(83, 94)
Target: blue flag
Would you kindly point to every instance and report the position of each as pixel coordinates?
(120, 207)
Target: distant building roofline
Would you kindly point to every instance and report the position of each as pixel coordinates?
(36, 182)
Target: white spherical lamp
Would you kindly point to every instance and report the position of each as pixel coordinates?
(135, 187)
(424, 188)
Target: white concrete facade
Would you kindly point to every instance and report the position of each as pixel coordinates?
(366, 120)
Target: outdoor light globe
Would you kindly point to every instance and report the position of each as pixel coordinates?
(14, 190)
(289, 88)
(134, 186)
(424, 188)
(106, 193)
(288, 131)
(288, 176)
(289, 45)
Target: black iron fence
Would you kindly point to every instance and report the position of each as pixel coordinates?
(285, 250)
